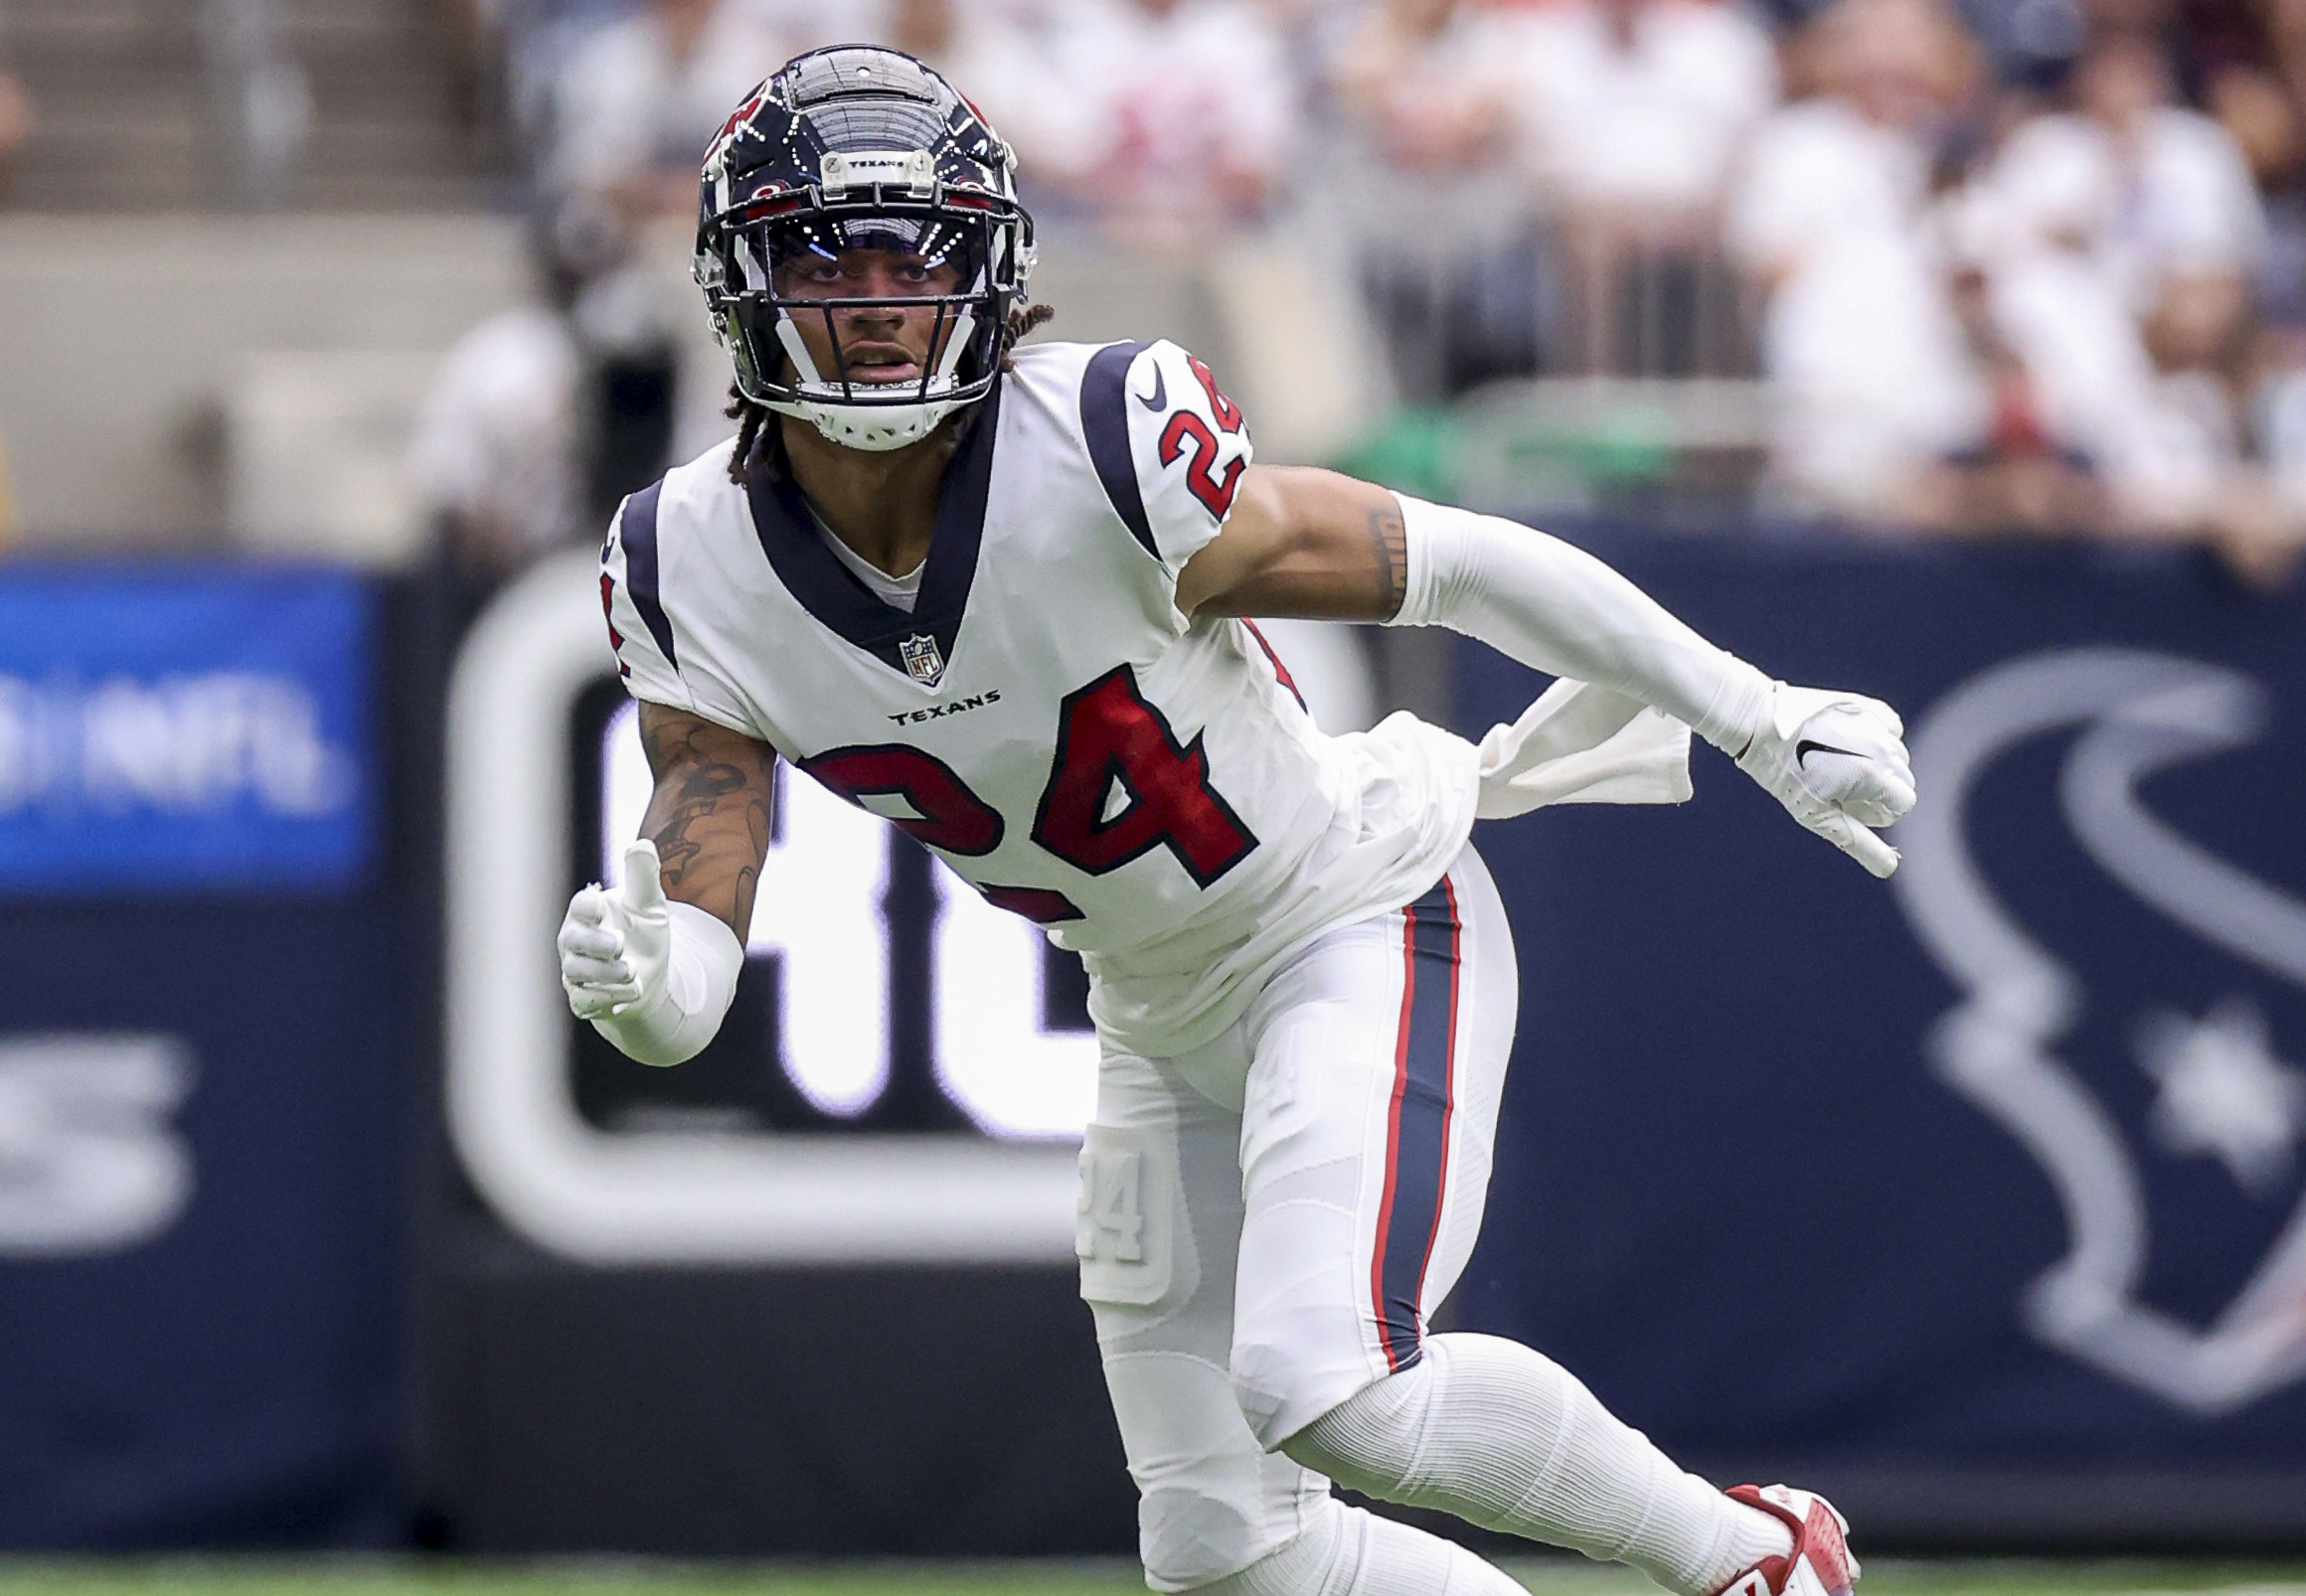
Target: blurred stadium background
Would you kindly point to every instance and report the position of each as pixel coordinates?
(1956, 352)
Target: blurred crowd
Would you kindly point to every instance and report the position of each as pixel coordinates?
(2005, 264)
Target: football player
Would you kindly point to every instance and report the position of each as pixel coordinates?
(999, 594)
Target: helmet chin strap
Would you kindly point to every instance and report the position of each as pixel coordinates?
(964, 325)
(874, 428)
(797, 351)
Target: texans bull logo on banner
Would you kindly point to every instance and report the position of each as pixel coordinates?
(2215, 1085)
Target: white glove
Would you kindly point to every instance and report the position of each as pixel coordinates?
(654, 977)
(1837, 763)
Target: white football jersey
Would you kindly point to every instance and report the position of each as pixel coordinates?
(1148, 789)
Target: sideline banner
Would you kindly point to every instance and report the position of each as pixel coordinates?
(204, 1064)
(1978, 1195)
(175, 727)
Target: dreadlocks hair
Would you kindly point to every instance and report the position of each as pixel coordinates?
(1024, 319)
(754, 430)
(750, 418)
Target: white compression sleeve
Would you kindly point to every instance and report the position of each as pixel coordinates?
(672, 1025)
(1505, 1438)
(1560, 610)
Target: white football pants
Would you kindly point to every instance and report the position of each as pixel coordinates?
(1265, 1225)
(1266, 1222)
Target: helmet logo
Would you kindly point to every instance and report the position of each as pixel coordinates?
(923, 659)
(838, 173)
(739, 120)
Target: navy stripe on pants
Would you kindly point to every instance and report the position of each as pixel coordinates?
(1418, 1124)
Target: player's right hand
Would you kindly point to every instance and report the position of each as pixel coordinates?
(616, 943)
(1837, 762)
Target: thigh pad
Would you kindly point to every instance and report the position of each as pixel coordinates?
(1129, 1226)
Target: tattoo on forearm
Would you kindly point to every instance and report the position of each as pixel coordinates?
(702, 790)
(1391, 541)
(710, 813)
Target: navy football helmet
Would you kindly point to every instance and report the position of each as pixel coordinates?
(860, 147)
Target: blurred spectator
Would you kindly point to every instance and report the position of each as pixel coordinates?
(2252, 71)
(2030, 44)
(2067, 357)
(16, 122)
(536, 37)
(1836, 216)
(1159, 120)
(2168, 189)
(1427, 177)
(1432, 84)
(633, 107)
(1643, 105)
(2017, 472)
(2243, 61)
(929, 30)
(1634, 113)
(636, 102)
(2243, 404)
(495, 453)
(1891, 76)
(1001, 52)
(543, 417)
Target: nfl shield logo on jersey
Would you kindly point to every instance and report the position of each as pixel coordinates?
(923, 659)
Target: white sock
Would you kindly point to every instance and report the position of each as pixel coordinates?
(1505, 1438)
(1345, 1551)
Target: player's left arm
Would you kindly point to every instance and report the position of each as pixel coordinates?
(1302, 543)
(1307, 542)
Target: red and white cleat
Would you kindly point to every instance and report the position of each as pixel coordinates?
(1820, 1563)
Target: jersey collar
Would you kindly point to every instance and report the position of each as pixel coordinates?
(831, 593)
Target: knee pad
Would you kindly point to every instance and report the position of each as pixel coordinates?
(1303, 1566)
(1190, 1537)
(1210, 1500)
(1344, 1552)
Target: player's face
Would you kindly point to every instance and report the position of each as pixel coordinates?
(880, 342)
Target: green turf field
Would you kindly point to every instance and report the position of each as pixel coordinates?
(611, 1577)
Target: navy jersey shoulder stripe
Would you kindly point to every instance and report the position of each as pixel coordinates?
(1104, 407)
(1417, 1135)
(638, 526)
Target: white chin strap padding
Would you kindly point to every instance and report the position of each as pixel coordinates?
(871, 428)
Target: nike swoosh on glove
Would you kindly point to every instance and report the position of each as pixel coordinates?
(1837, 762)
(616, 943)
